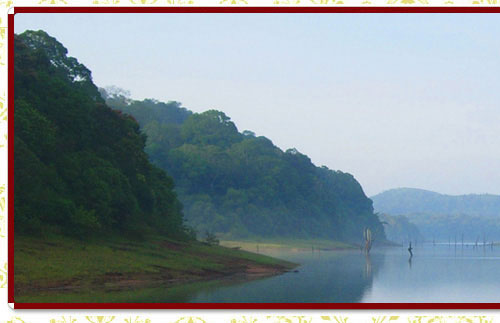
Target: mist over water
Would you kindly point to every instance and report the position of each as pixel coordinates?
(436, 273)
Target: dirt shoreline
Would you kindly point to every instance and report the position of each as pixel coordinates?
(245, 271)
(235, 269)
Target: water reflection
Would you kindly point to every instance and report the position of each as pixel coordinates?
(434, 273)
(324, 276)
(438, 273)
(368, 266)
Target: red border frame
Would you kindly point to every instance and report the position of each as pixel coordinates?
(188, 9)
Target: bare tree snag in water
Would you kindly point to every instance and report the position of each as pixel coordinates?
(409, 250)
(368, 240)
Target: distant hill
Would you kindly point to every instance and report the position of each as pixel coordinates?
(412, 201)
(476, 217)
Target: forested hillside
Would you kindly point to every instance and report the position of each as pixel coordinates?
(412, 200)
(241, 185)
(444, 217)
(80, 167)
(399, 229)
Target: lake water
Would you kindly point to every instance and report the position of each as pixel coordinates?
(436, 273)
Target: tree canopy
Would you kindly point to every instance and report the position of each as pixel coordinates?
(242, 185)
(80, 167)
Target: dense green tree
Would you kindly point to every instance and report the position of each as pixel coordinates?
(80, 167)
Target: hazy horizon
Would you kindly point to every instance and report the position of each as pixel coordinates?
(397, 100)
(432, 191)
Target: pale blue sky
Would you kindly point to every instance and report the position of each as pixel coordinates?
(398, 100)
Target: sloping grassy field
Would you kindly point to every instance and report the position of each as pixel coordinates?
(70, 270)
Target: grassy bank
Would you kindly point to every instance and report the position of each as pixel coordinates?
(258, 245)
(68, 270)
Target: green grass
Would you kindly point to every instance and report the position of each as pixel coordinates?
(41, 265)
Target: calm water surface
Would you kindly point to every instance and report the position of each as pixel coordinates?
(436, 273)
